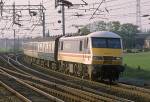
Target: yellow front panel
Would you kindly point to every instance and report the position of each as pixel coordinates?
(107, 52)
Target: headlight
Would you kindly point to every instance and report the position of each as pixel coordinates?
(97, 58)
(118, 58)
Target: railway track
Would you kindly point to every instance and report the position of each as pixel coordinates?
(24, 91)
(124, 91)
(66, 93)
(6, 95)
(55, 89)
(120, 90)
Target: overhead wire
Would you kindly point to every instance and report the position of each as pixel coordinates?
(113, 8)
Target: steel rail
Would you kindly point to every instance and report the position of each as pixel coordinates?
(134, 93)
(15, 92)
(31, 87)
(71, 91)
(105, 87)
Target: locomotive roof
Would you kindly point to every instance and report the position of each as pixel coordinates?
(106, 34)
(103, 34)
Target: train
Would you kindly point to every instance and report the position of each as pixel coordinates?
(95, 56)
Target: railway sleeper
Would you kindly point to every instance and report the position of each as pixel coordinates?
(67, 95)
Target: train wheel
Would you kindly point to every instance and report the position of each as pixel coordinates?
(85, 72)
(54, 66)
(66, 68)
(75, 69)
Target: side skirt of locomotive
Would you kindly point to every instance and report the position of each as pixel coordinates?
(91, 72)
(107, 72)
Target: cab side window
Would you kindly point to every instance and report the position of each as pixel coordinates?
(86, 43)
(80, 46)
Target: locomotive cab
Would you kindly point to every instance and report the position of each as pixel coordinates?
(106, 52)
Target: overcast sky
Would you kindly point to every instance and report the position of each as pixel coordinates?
(111, 10)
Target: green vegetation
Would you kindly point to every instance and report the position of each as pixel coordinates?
(136, 74)
(4, 50)
(137, 65)
(136, 60)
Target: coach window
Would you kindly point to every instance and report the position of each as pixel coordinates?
(80, 46)
(40, 47)
(35, 46)
(61, 45)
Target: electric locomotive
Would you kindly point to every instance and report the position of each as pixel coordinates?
(96, 56)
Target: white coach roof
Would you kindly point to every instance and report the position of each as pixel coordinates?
(103, 34)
